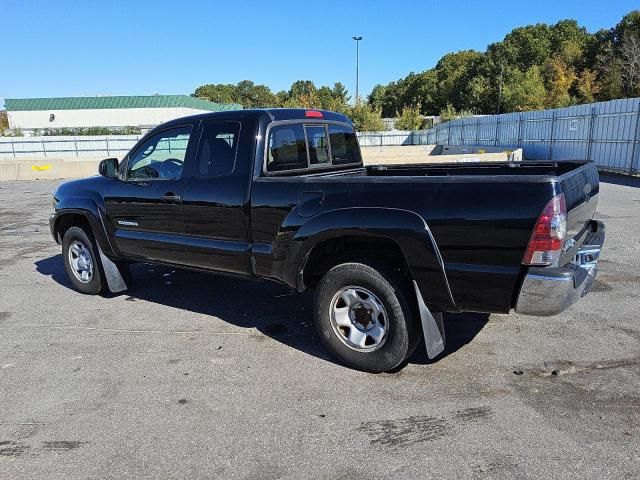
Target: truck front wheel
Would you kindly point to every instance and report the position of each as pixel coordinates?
(364, 319)
(82, 261)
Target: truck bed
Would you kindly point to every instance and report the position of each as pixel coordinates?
(481, 215)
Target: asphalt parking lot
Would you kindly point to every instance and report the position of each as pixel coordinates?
(189, 375)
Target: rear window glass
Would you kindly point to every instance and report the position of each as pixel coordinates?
(344, 145)
(318, 144)
(287, 148)
(298, 146)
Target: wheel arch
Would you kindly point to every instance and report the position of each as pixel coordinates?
(81, 212)
(397, 234)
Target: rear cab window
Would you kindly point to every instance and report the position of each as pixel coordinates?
(298, 146)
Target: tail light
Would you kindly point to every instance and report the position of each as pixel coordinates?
(313, 114)
(548, 235)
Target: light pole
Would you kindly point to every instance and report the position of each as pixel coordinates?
(500, 88)
(357, 39)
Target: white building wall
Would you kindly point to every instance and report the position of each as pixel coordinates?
(112, 117)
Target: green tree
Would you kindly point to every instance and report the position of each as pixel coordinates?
(335, 99)
(560, 79)
(340, 93)
(220, 93)
(588, 87)
(450, 113)
(454, 72)
(251, 95)
(422, 89)
(305, 94)
(377, 96)
(524, 91)
(629, 25)
(410, 119)
(606, 65)
(365, 118)
(524, 47)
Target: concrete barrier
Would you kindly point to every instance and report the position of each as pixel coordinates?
(47, 169)
(437, 154)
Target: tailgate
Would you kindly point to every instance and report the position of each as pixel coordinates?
(581, 188)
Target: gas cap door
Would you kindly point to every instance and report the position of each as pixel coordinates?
(310, 203)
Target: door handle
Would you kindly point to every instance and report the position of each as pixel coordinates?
(170, 197)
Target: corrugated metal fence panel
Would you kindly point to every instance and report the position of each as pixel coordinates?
(606, 132)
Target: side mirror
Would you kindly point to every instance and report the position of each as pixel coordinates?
(108, 167)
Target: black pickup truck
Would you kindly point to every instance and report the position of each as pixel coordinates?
(282, 194)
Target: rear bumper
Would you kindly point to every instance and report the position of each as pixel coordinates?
(550, 290)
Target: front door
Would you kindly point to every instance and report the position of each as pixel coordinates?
(145, 208)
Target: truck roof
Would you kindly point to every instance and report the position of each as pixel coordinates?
(268, 114)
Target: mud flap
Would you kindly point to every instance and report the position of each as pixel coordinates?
(432, 327)
(115, 282)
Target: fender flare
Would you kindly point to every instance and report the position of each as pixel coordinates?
(89, 209)
(405, 228)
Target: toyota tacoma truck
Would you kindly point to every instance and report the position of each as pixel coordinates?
(283, 195)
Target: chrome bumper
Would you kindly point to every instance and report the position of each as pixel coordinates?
(548, 291)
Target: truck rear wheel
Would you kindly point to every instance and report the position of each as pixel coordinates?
(364, 319)
(82, 261)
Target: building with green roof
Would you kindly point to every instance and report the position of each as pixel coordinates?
(29, 114)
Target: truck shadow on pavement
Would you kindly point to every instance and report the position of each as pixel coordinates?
(272, 309)
(623, 180)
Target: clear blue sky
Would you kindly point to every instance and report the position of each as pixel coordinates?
(142, 47)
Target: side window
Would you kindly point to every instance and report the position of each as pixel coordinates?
(218, 148)
(161, 156)
(287, 149)
(344, 145)
(318, 144)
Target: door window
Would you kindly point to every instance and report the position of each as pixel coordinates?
(218, 148)
(161, 156)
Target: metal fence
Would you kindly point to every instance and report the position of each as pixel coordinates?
(606, 132)
(392, 138)
(64, 147)
(118, 145)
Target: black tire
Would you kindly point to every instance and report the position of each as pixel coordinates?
(95, 284)
(402, 321)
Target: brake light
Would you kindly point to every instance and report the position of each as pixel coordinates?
(313, 114)
(548, 234)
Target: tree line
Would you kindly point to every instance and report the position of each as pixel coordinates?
(301, 94)
(533, 67)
